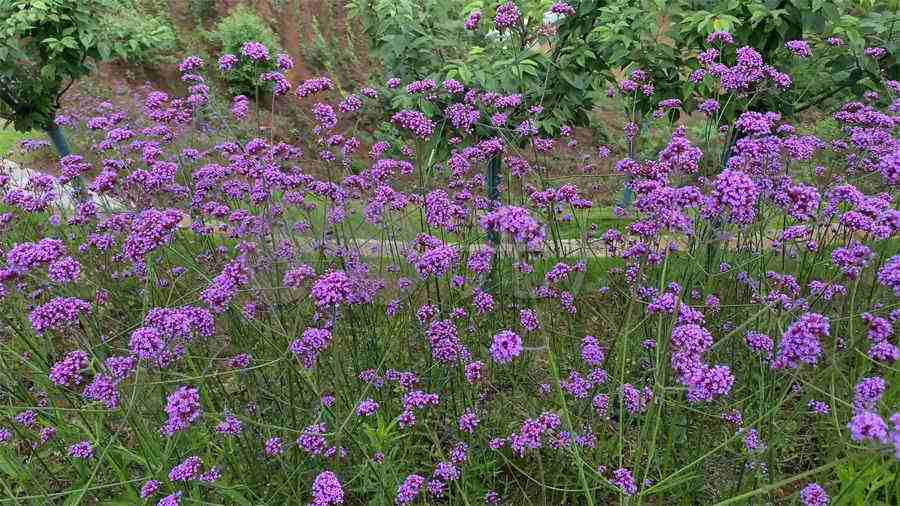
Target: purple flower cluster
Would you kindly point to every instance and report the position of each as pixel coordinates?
(308, 348)
(327, 489)
(704, 383)
(518, 223)
(256, 51)
(563, 9)
(82, 450)
(58, 314)
(473, 21)
(314, 86)
(183, 409)
(68, 371)
(409, 490)
(415, 122)
(506, 346)
(801, 342)
(799, 48)
(507, 15)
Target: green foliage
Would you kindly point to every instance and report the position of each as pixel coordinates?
(572, 70)
(413, 37)
(767, 24)
(240, 26)
(418, 40)
(142, 39)
(202, 10)
(8, 140)
(45, 45)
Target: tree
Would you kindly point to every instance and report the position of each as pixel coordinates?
(45, 46)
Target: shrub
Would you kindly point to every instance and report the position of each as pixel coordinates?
(230, 34)
(143, 39)
(48, 45)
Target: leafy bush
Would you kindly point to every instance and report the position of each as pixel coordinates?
(142, 39)
(239, 27)
(46, 45)
(586, 51)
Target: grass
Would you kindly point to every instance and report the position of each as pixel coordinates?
(9, 138)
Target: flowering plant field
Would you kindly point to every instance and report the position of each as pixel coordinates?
(446, 308)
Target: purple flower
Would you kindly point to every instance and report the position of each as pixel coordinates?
(866, 425)
(506, 346)
(308, 348)
(313, 86)
(799, 48)
(149, 489)
(735, 192)
(446, 346)
(327, 489)
(230, 426)
(170, 500)
(414, 121)
(889, 275)
(147, 343)
(183, 409)
(480, 260)
(473, 20)
(600, 403)
(591, 351)
(273, 446)
(312, 440)
(190, 64)
(285, 62)
(227, 62)
(868, 392)
(255, 51)
(801, 343)
(409, 490)
(332, 289)
(422, 86)
(68, 371)
(720, 37)
(27, 418)
(576, 385)
(814, 495)
(623, 479)
(468, 421)
(752, 442)
(150, 229)
(517, 222)
(103, 389)
(819, 407)
(367, 407)
(474, 371)
(636, 401)
(851, 260)
(81, 450)
(64, 270)
(58, 314)
(876, 53)
(563, 9)
(760, 343)
(507, 15)
(188, 469)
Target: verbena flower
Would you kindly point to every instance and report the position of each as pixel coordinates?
(814, 495)
(82, 450)
(506, 346)
(327, 489)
